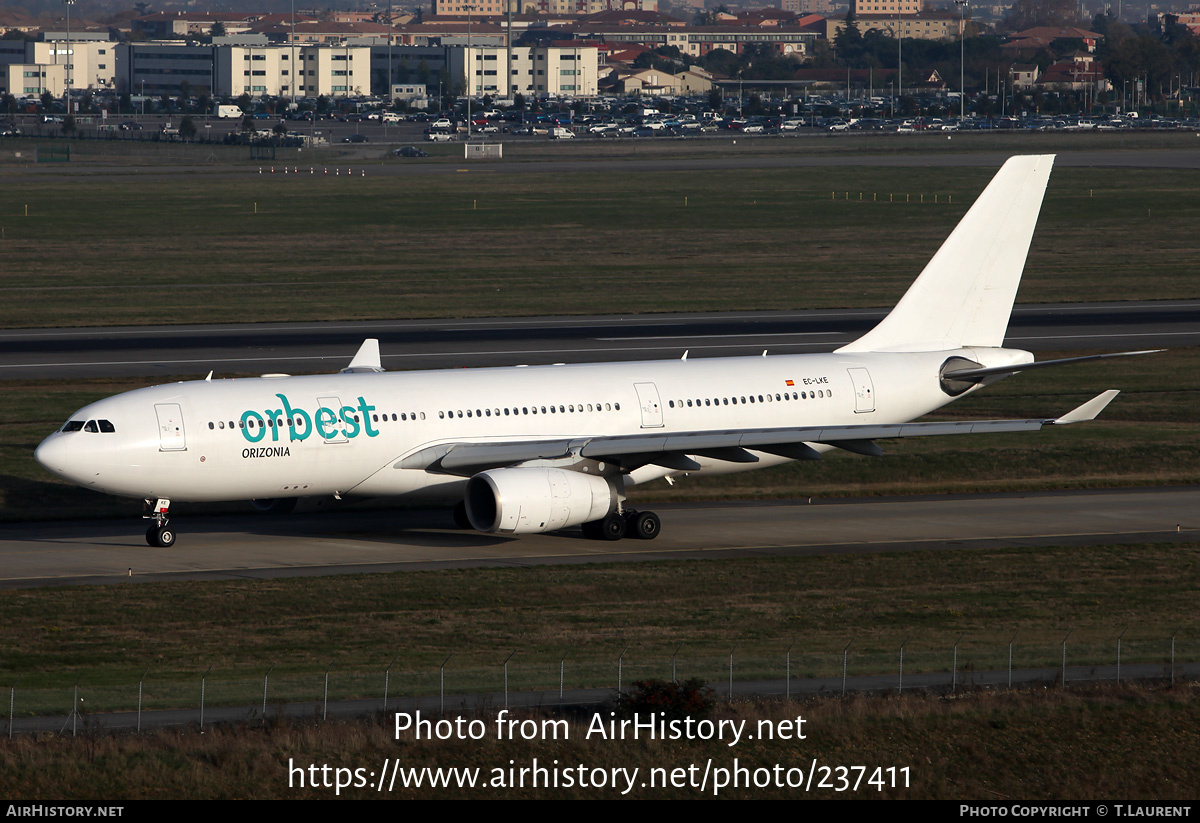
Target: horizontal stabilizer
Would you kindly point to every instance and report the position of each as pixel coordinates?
(1089, 410)
(975, 375)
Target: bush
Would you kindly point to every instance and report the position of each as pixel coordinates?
(676, 701)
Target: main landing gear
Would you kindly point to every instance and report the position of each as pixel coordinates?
(630, 523)
(160, 535)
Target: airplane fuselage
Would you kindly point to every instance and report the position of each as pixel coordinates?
(340, 434)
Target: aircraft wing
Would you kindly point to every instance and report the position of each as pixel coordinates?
(677, 450)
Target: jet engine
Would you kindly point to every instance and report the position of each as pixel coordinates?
(530, 501)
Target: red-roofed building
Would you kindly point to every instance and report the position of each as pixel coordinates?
(1048, 34)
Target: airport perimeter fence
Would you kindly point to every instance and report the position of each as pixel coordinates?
(453, 680)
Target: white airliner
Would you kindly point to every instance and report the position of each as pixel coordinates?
(536, 449)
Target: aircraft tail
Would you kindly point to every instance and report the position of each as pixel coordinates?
(965, 294)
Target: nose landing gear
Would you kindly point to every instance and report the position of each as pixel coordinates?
(159, 535)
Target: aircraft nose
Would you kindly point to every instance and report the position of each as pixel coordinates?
(52, 453)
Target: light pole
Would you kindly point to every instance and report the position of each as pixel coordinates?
(292, 44)
(391, 36)
(962, 59)
(470, 69)
(69, 3)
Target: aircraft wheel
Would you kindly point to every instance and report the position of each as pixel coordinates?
(645, 526)
(162, 537)
(612, 527)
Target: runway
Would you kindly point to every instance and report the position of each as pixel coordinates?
(298, 348)
(641, 156)
(342, 542)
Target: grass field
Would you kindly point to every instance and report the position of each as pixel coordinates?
(116, 249)
(106, 637)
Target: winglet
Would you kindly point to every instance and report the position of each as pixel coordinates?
(367, 358)
(1089, 410)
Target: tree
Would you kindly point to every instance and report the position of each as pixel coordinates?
(721, 61)
(47, 100)
(715, 99)
(68, 126)
(821, 56)
(218, 29)
(187, 128)
(848, 42)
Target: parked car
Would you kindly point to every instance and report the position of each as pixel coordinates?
(439, 137)
(408, 151)
(355, 138)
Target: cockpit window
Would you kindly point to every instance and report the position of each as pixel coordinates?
(106, 426)
(91, 426)
(72, 426)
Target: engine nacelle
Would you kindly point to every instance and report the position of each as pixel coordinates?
(530, 501)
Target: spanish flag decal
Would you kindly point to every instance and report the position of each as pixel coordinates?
(790, 382)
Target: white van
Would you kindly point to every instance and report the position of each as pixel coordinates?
(559, 133)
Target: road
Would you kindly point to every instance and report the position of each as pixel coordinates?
(426, 344)
(339, 542)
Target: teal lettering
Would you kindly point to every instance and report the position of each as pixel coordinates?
(302, 424)
(348, 419)
(291, 414)
(252, 434)
(325, 421)
(366, 410)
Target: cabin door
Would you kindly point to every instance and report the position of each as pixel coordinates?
(171, 435)
(334, 432)
(652, 417)
(864, 391)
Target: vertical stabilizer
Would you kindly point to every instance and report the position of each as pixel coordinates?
(965, 294)
(367, 358)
